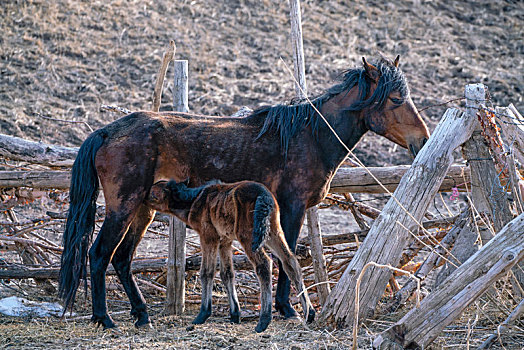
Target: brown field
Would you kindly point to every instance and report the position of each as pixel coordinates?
(63, 59)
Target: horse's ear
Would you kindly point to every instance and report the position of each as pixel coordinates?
(371, 70)
(395, 63)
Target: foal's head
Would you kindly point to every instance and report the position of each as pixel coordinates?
(174, 197)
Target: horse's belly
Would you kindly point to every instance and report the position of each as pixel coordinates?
(226, 230)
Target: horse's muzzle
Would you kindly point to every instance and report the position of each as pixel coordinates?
(415, 148)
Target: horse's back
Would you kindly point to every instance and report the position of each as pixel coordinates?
(230, 207)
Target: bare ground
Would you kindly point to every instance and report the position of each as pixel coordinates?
(63, 59)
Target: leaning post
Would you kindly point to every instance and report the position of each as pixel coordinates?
(390, 232)
(176, 258)
(313, 223)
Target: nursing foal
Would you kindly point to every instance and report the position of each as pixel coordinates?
(220, 213)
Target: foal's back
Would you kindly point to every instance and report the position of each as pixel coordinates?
(228, 209)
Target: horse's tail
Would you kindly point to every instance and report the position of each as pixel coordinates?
(80, 224)
(264, 207)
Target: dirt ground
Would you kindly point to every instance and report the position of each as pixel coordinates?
(60, 60)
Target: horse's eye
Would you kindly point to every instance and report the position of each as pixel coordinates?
(397, 101)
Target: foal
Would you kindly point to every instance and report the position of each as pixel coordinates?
(220, 213)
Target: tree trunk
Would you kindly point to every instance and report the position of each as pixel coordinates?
(15, 148)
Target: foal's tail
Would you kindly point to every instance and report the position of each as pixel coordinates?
(80, 223)
(265, 205)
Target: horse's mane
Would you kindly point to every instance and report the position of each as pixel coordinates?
(288, 120)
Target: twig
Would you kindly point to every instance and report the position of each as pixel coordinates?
(442, 104)
(356, 213)
(168, 57)
(30, 243)
(65, 121)
(32, 228)
(357, 293)
(116, 109)
(503, 327)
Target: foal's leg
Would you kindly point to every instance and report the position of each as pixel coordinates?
(262, 264)
(122, 263)
(207, 273)
(291, 218)
(112, 232)
(292, 269)
(227, 274)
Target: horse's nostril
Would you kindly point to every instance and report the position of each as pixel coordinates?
(412, 150)
(424, 140)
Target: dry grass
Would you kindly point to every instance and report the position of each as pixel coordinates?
(66, 58)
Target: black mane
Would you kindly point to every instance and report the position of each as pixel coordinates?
(188, 194)
(288, 120)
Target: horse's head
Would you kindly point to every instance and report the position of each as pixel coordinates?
(388, 109)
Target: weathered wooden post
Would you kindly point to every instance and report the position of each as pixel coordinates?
(388, 237)
(176, 259)
(313, 223)
(487, 193)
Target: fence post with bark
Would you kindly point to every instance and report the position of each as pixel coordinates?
(175, 284)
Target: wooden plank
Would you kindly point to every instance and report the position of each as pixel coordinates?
(192, 263)
(16, 148)
(354, 180)
(36, 179)
(358, 180)
(17, 271)
(387, 237)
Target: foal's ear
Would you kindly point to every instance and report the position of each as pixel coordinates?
(395, 63)
(371, 71)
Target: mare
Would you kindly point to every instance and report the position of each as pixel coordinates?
(288, 148)
(245, 211)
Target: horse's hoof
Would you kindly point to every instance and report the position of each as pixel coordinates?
(114, 331)
(143, 324)
(310, 315)
(201, 318)
(235, 318)
(106, 322)
(262, 326)
(286, 311)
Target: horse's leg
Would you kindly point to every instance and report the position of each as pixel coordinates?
(262, 264)
(291, 218)
(207, 273)
(292, 269)
(122, 263)
(112, 232)
(227, 274)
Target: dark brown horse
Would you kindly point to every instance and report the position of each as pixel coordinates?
(286, 147)
(245, 211)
